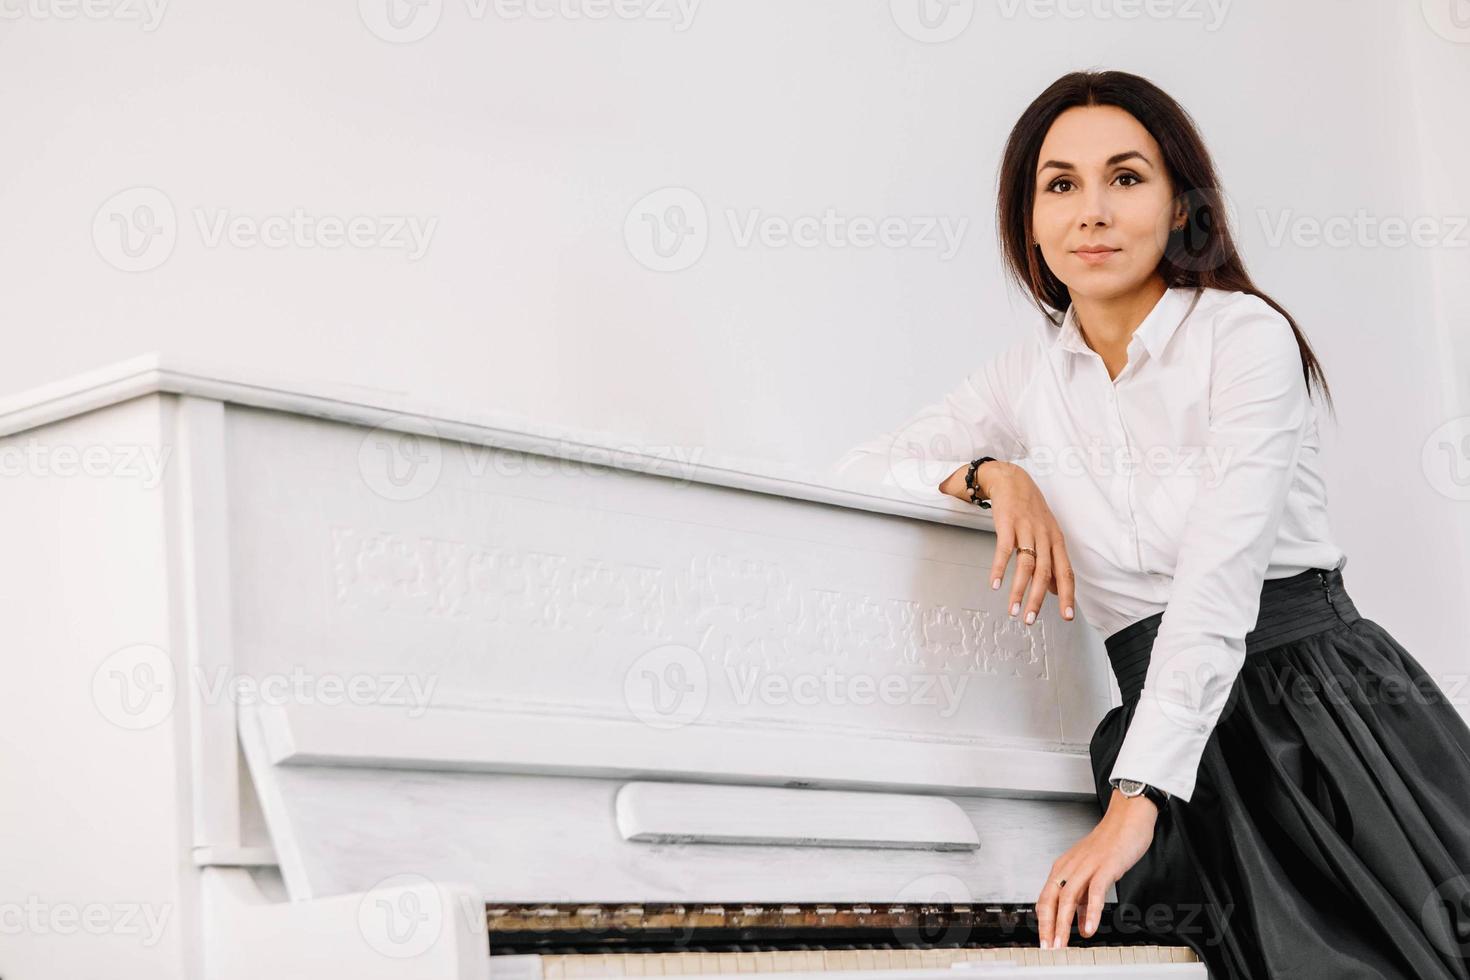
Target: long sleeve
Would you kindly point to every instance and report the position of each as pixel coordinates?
(976, 418)
(1259, 406)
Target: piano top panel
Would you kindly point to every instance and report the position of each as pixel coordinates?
(394, 410)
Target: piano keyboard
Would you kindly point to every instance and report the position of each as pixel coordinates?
(569, 942)
(569, 967)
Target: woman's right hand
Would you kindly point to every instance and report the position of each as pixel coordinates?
(1023, 520)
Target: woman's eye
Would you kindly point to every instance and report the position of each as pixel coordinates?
(1054, 186)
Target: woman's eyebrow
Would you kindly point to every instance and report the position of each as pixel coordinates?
(1116, 158)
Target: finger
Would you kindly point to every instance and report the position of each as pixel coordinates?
(1066, 581)
(1039, 580)
(1025, 566)
(1066, 908)
(1046, 910)
(1084, 910)
(1005, 543)
(1097, 893)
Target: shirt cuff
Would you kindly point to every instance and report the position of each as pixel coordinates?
(1163, 746)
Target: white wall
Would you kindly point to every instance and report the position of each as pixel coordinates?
(530, 141)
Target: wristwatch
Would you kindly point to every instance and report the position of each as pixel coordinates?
(1134, 787)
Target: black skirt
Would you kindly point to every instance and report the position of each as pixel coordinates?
(1328, 834)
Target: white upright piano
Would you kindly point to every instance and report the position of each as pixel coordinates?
(310, 680)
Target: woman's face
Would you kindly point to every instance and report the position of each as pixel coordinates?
(1101, 182)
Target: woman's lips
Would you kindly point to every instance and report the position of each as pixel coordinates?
(1097, 258)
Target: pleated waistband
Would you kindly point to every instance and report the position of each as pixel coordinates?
(1291, 608)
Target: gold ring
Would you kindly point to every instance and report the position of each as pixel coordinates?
(1027, 551)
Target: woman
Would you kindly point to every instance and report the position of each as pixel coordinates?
(1297, 787)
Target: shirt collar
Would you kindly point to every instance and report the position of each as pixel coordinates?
(1172, 309)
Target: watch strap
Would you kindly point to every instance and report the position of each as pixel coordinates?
(972, 486)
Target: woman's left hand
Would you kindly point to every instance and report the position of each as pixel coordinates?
(1092, 865)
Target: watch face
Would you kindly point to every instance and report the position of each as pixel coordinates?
(1130, 787)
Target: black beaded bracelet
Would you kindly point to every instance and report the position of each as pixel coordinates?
(975, 498)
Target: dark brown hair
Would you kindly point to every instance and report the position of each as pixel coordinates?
(1202, 253)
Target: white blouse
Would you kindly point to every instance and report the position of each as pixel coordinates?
(1180, 486)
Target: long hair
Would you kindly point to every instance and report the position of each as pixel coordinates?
(1202, 253)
